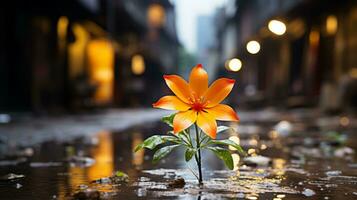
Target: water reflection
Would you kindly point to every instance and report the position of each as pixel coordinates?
(114, 151)
(279, 166)
(103, 155)
(138, 157)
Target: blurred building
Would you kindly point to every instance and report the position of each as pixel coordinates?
(84, 53)
(303, 58)
(205, 35)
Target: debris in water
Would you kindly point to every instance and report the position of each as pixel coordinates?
(343, 152)
(11, 177)
(18, 186)
(257, 160)
(87, 194)
(144, 179)
(333, 173)
(308, 192)
(81, 161)
(104, 180)
(283, 128)
(117, 178)
(83, 187)
(177, 183)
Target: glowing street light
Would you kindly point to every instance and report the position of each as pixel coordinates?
(331, 24)
(234, 65)
(137, 64)
(253, 47)
(277, 27)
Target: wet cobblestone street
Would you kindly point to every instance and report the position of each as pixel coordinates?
(291, 155)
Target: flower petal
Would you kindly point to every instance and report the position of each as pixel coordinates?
(171, 103)
(179, 87)
(198, 81)
(218, 91)
(183, 120)
(223, 112)
(207, 123)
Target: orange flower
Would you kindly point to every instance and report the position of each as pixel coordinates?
(196, 102)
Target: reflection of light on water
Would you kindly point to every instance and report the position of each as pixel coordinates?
(344, 121)
(273, 134)
(263, 147)
(278, 166)
(61, 190)
(138, 157)
(78, 176)
(253, 142)
(236, 159)
(251, 196)
(280, 196)
(251, 152)
(103, 155)
(260, 171)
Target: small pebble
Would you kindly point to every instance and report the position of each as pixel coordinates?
(308, 192)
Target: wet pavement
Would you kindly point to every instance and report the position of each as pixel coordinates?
(292, 155)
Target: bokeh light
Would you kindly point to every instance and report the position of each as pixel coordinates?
(331, 24)
(253, 47)
(277, 27)
(137, 65)
(234, 65)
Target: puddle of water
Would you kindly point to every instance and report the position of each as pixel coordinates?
(294, 169)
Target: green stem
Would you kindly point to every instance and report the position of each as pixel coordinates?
(198, 155)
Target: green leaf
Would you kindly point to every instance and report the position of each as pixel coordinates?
(189, 154)
(230, 143)
(154, 141)
(224, 155)
(183, 137)
(164, 151)
(169, 119)
(222, 128)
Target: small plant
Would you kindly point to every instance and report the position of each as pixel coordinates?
(198, 109)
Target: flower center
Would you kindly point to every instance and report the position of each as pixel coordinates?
(197, 106)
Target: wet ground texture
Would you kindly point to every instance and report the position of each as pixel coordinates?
(291, 155)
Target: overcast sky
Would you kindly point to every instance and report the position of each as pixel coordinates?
(187, 12)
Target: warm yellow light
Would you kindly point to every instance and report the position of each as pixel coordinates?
(156, 15)
(353, 73)
(344, 121)
(138, 157)
(331, 24)
(62, 25)
(76, 51)
(277, 27)
(137, 64)
(253, 47)
(103, 154)
(235, 65)
(314, 37)
(101, 68)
